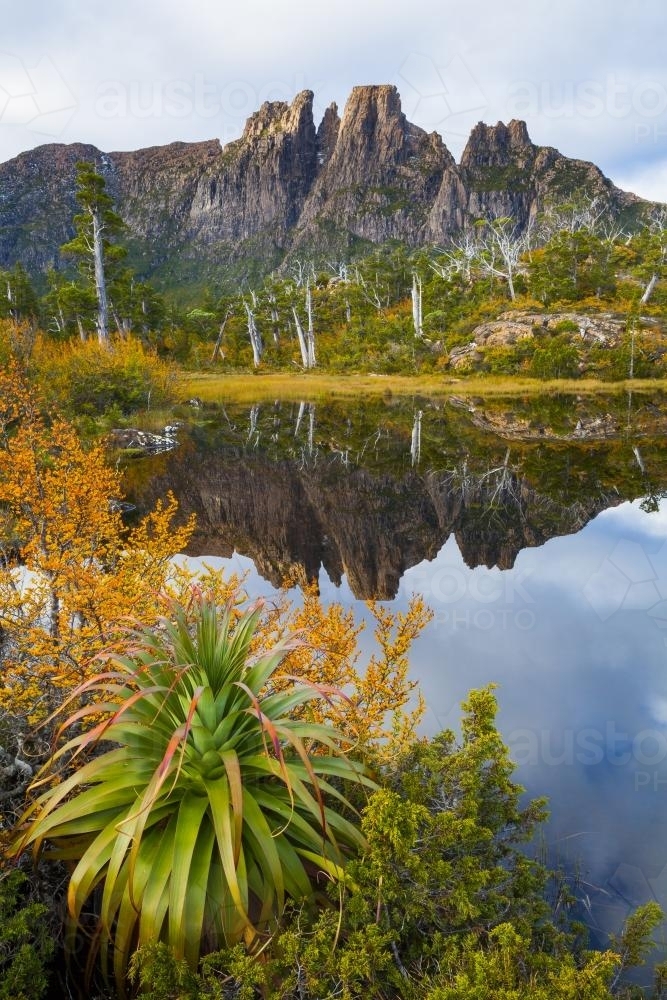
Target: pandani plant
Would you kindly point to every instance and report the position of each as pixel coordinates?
(215, 802)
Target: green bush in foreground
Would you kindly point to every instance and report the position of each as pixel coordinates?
(26, 943)
(443, 904)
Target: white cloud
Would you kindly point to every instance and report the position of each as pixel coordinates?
(647, 180)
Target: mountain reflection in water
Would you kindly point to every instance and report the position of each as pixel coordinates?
(535, 532)
(368, 489)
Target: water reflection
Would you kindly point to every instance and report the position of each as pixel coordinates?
(535, 531)
(574, 634)
(368, 489)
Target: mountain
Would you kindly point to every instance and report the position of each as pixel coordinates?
(202, 213)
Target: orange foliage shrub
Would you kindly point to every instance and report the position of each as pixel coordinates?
(71, 572)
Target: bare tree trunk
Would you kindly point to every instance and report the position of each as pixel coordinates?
(303, 346)
(255, 338)
(417, 305)
(275, 320)
(218, 344)
(82, 332)
(117, 321)
(10, 298)
(252, 427)
(299, 418)
(310, 343)
(648, 291)
(416, 443)
(100, 280)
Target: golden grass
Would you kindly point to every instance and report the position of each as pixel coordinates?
(316, 387)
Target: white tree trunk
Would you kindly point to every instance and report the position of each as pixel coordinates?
(648, 291)
(100, 280)
(302, 410)
(416, 444)
(217, 349)
(417, 305)
(310, 341)
(255, 338)
(252, 425)
(303, 346)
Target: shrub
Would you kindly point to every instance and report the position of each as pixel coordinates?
(26, 945)
(91, 379)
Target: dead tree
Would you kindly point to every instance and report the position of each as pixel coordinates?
(303, 345)
(310, 338)
(416, 442)
(417, 304)
(306, 338)
(254, 334)
(217, 349)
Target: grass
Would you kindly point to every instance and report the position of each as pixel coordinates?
(250, 388)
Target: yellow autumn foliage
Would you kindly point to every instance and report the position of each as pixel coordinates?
(74, 578)
(71, 574)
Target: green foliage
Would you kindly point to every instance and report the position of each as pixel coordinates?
(26, 942)
(18, 300)
(94, 199)
(361, 304)
(229, 975)
(509, 968)
(634, 943)
(573, 265)
(557, 358)
(443, 905)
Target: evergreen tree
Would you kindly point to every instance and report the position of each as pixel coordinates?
(98, 226)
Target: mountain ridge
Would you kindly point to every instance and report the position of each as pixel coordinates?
(289, 187)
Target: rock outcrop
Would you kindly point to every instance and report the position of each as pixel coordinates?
(288, 187)
(584, 329)
(510, 327)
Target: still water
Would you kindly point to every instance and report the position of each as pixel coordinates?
(537, 533)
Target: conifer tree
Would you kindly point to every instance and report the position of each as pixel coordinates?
(97, 228)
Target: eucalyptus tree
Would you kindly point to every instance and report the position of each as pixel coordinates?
(94, 247)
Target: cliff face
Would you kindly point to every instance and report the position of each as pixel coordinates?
(289, 187)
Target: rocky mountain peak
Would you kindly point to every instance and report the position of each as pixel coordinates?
(327, 133)
(373, 122)
(278, 116)
(286, 188)
(496, 145)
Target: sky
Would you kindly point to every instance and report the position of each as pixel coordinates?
(588, 77)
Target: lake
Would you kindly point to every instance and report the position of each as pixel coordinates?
(536, 530)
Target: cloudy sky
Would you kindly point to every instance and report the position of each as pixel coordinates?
(589, 78)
